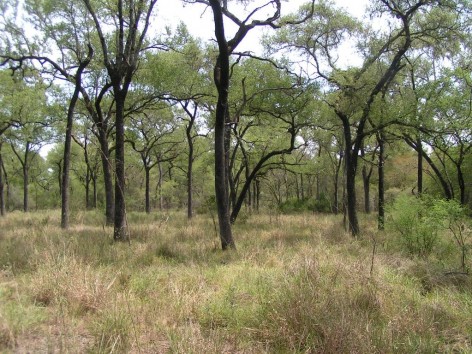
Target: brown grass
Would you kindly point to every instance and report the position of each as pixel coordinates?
(297, 284)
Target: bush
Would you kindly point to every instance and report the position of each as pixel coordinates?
(294, 205)
(414, 220)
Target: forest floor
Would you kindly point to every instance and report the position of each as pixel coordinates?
(296, 284)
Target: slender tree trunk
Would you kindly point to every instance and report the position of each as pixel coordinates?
(350, 161)
(366, 183)
(420, 166)
(68, 141)
(338, 165)
(258, 194)
(94, 185)
(381, 173)
(460, 179)
(88, 179)
(65, 192)
(59, 177)
(2, 185)
(221, 78)
(302, 186)
(159, 186)
(190, 182)
(120, 232)
(25, 186)
(147, 182)
(107, 174)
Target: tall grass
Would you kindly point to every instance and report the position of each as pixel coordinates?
(297, 284)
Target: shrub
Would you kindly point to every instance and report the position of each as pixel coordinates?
(414, 220)
(453, 217)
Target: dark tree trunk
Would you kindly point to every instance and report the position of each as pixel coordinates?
(381, 173)
(94, 186)
(120, 232)
(366, 183)
(188, 133)
(221, 78)
(59, 176)
(25, 187)
(88, 179)
(252, 176)
(107, 174)
(147, 182)
(338, 165)
(420, 166)
(68, 142)
(351, 165)
(350, 162)
(190, 178)
(2, 185)
(257, 193)
(448, 192)
(460, 178)
(159, 185)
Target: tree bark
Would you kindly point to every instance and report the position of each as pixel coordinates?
(147, 183)
(107, 174)
(25, 187)
(2, 185)
(188, 134)
(381, 173)
(120, 232)
(221, 78)
(68, 142)
(419, 167)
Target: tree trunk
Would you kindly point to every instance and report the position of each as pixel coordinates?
(381, 173)
(65, 192)
(25, 186)
(94, 185)
(68, 142)
(147, 189)
(2, 185)
(420, 167)
(351, 193)
(107, 174)
(120, 232)
(190, 181)
(159, 185)
(221, 78)
(461, 181)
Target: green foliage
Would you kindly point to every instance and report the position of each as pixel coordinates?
(416, 223)
(453, 216)
(421, 221)
(293, 205)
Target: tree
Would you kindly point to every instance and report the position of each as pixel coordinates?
(148, 135)
(354, 91)
(222, 80)
(121, 53)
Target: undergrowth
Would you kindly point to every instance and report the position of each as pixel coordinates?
(297, 284)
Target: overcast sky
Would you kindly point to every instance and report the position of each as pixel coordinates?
(200, 22)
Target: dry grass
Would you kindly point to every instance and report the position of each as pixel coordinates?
(297, 284)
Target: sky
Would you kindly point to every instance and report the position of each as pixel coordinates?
(200, 22)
